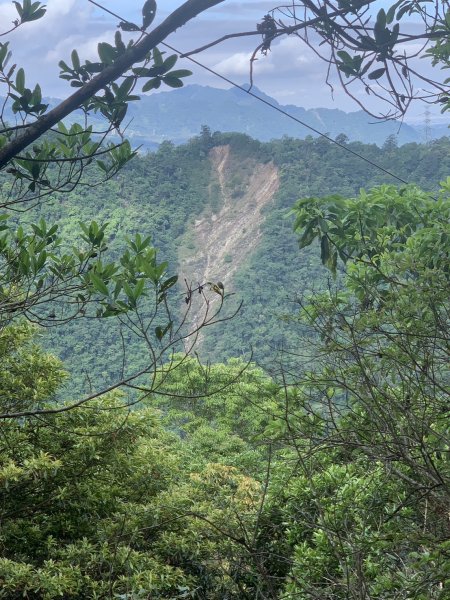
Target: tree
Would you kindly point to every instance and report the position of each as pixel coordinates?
(369, 419)
(219, 410)
(366, 50)
(41, 279)
(101, 504)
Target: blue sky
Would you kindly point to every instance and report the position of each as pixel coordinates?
(291, 72)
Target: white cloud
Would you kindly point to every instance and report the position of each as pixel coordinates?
(86, 48)
(239, 65)
(38, 46)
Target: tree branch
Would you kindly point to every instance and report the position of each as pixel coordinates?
(137, 53)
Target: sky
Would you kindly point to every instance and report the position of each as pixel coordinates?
(291, 72)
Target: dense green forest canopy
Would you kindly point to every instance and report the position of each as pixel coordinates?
(230, 483)
(161, 195)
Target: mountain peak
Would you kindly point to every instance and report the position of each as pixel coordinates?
(179, 114)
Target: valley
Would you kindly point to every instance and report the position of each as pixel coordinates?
(218, 209)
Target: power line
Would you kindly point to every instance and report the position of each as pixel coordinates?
(267, 103)
(283, 112)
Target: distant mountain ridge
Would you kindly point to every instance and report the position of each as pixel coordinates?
(178, 115)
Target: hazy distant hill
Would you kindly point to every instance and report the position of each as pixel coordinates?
(178, 115)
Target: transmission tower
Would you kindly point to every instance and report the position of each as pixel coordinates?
(427, 125)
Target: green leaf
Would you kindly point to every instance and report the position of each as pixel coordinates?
(75, 60)
(173, 82)
(142, 72)
(391, 12)
(180, 73)
(35, 170)
(309, 235)
(344, 56)
(168, 283)
(153, 84)
(170, 62)
(324, 249)
(382, 34)
(148, 13)
(34, 16)
(120, 46)
(19, 9)
(98, 283)
(405, 9)
(156, 70)
(394, 34)
(20, 81)
(64, 66)
(125, 87)
(37, 95)
(157, 57)
(3, 53)
(377, 73)
(106, 53)
(381, 19)
(139, 288)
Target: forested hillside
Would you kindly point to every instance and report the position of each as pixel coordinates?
(174, 196)
(327, 480)
(224, 365)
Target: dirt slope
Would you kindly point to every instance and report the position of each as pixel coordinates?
(222, 241)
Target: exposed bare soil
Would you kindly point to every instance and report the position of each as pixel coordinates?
(224, 240)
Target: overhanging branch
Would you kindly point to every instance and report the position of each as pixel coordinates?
(137, 53)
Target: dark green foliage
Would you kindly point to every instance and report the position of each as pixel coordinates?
(277, 274)
(366, 514)
(333, 486)
(157, 195)
(100, 503)
(162, 193)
